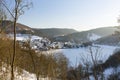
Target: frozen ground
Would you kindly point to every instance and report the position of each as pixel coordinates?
(77, 55)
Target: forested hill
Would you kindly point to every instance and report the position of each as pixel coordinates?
(53, 32)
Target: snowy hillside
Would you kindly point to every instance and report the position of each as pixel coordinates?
(112, 40)
(25, 37)
(40, 43)
(75, 56)
(86, 36)
(36, 42)
(92, 36)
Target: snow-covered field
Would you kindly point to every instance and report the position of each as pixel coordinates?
(78, 55)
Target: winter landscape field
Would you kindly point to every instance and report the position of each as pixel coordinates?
(59, 39)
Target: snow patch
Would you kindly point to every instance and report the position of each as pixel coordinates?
(92, 36)
(110, 71)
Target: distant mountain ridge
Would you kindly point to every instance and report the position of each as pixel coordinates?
(112, 40)
(60, 34)
(83, 36)
(7, 27)
(53, 32)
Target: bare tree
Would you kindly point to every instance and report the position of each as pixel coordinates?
(90, 61)
(18, 9)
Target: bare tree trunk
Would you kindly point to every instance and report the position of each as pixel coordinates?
(14, 53)
(14, 45)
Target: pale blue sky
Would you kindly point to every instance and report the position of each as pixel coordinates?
(77, 14)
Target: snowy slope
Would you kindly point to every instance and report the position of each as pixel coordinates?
(108, 72)
(75, 56)
(36, 42)
(25, 37)
(92, 36)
